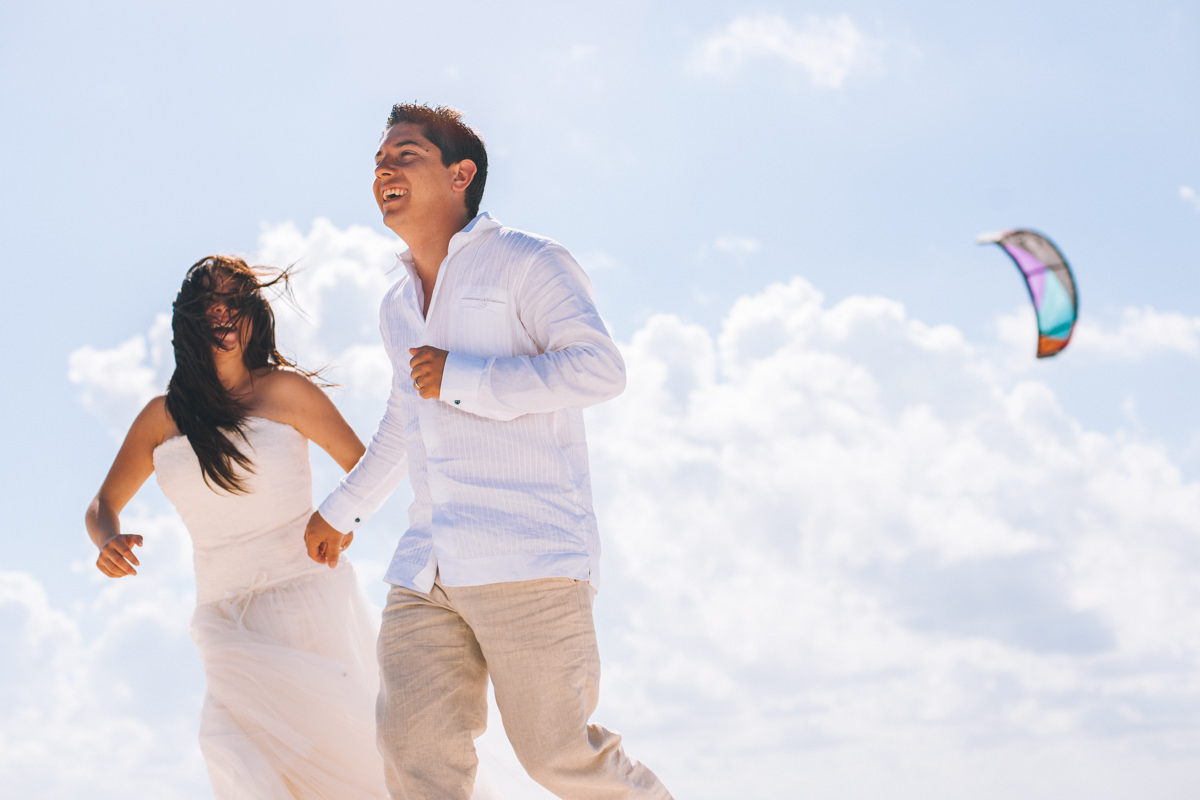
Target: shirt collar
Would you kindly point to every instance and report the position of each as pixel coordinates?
(475, 229)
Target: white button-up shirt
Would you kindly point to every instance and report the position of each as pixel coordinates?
(499, 464)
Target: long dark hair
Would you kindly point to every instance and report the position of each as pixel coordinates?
(203, 410)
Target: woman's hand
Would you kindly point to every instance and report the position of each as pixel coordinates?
(324, 542)
(116, 556)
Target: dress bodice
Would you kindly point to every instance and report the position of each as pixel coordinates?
(247, 541)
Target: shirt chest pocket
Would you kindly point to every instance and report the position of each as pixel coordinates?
(482, 324)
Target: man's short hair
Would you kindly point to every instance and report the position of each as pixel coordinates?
(444, 127)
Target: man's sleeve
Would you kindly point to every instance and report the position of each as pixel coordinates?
(578, 364)
(378, 472)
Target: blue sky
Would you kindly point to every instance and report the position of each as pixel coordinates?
(837, 465)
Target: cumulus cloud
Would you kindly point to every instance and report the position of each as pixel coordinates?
(115, 383)
(341, 277)
(829, 529)
(844, 549)
(827, 48)
(101, 699)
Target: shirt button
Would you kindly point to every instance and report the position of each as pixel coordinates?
(356, 519)
(456, 402)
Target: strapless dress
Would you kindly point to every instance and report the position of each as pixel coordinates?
(288, 645)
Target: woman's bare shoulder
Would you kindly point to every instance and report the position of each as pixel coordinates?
(156, 421)
(285, 395)
(286, 380)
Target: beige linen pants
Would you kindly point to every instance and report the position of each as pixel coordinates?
(537, 641)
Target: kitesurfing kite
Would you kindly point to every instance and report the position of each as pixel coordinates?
(1050, 283)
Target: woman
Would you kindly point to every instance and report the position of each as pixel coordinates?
(287, 644)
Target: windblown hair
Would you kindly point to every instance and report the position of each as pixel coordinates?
(445, 128)
(203, 410)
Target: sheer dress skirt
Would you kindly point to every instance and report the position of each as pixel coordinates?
(292, 681)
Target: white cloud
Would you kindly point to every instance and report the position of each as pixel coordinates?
(830, 527)
(342, 276)
(117, 382)
(1139, 334)
(103, 700)
(828, 48)
(1189, 196)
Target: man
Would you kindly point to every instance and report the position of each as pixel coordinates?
(496, 346)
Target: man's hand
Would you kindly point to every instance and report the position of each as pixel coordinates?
(116, 558)
(324, 543)
(427, 364)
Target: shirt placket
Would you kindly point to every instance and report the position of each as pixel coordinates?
(429, 412)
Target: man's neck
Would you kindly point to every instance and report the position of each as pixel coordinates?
(429, 247)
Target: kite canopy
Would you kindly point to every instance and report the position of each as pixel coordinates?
(1050, 283)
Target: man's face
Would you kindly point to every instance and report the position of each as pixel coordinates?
(412, 187)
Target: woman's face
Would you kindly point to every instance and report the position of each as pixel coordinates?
(230, 329)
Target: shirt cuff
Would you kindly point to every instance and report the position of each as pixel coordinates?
(338, 510)
(461, 377)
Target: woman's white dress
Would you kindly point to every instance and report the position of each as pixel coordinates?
(288, 645)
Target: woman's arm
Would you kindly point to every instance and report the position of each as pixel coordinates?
(304, 406)
(133, 465)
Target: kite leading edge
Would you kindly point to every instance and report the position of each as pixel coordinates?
(1050, 282)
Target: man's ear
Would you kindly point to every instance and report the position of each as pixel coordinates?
(462, 174)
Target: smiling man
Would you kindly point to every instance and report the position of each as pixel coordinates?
(496, 347)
